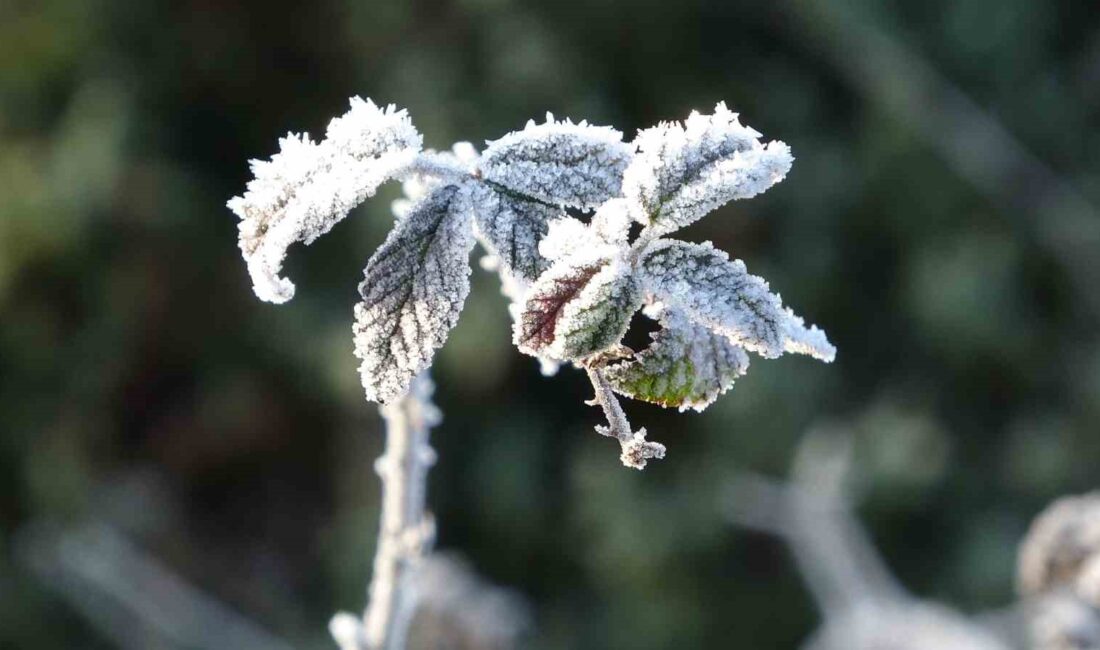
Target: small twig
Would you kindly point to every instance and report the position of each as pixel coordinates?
(833, 551)
(636, 450)
(407, 530)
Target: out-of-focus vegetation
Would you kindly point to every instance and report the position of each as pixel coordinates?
(940, 223)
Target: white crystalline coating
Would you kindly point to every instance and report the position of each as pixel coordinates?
(580, 306)
(568, 237)
(687, 366)
(413, 291)
(367, 130)
(306, 188)
(417, 183)
(560, 163)
(598, 317)
(612, 220)
(720, 294)
(511, 228)
(683, 171)
(535, 325)
(465, 153)
(605, 236)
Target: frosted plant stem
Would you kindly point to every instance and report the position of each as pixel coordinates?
(636, 450)
(407, 530)
(440, 167)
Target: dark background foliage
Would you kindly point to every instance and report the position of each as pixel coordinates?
(940, 223)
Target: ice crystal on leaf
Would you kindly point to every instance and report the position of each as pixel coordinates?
(687, 366)
(723, 296)
(536, 330)
(413, 292)
(560, 163)
(581, 308)
(306, 188)
(511, 226)
(574, 284)
(683, 171)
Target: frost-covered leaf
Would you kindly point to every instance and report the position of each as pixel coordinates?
(560, 163)
(511, 226)
(720, 294)
(683, 171)
(599, 316)
(306, 188)
(413, 291)
(569, 237)
(421, 180)
(611, 223)
(686, 366)
(581, 306)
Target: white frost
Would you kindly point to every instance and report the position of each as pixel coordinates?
(687, 366)
(611, 223)
(723, 296)
(683, 171)
(560, 163)
(306, 188)
(598, 317)
(413, 291)
(511, 228)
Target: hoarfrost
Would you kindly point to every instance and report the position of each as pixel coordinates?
(573, 286)
(599, 316)
(511, 227)
(536, 329)
(569, 237)
(413, 291)
(306, 188)
(722, 295)
(683, 171)
(560, 163)
(687, 366)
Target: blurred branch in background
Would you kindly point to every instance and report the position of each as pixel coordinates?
(458, 610)
(1059, 575)
(131, 597)
(863, 604)
(970, 139)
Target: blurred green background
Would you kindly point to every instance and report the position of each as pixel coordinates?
(940, 223)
